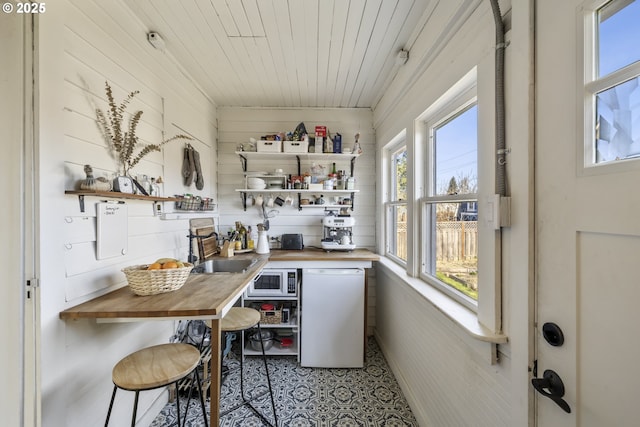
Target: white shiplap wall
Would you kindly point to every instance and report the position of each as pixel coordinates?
(82, 43)
(237, 125)
(443, 371)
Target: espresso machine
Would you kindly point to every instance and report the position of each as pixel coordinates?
(338, 233)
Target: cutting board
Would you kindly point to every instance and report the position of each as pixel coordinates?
(206, 247)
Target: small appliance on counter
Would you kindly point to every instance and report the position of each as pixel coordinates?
(338, 233)
(292, 242)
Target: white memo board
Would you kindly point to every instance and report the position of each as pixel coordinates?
(112, 230)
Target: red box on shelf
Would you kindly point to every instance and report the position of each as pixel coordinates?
(321, 131)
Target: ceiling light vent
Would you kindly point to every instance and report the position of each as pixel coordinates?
(155, 40)
(402, 57)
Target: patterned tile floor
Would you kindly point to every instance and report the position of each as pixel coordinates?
(309, 397)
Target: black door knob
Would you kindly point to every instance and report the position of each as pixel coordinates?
(553, 334)
(551, 386)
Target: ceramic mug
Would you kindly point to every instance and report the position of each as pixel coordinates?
(288, 201)
(279, 201)
(270, 202)
(259, 200)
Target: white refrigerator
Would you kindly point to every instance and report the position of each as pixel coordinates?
(332, 312)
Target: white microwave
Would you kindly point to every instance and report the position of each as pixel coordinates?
(274, 282)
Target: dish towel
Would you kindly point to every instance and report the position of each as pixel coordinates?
(198, 170)
(188, 165)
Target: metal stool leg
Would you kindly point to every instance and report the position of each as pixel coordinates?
(135, 410)
(204, 408)
(113, 397)
(178, 404)
(247, 401)
(186, 409)
(195, 379)
(266, 368)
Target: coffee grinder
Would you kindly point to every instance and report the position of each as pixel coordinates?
(338, 233)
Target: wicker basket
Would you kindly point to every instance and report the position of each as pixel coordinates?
(152, 282)
(271, 317)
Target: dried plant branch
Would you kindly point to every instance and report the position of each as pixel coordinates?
(123, 141)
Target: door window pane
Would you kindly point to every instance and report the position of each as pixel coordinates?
(618, 35)
(618, 122)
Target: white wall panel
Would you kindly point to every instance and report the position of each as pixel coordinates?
(82, 45)
(237, 125)
(445, 378)
(436, 363)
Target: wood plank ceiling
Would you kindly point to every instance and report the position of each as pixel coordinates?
(287, 53)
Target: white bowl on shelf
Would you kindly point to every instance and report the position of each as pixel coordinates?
(254, 183)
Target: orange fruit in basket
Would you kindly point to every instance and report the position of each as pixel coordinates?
(169, 264)
(154, 266)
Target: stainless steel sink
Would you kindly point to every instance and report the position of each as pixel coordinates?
(211, 266)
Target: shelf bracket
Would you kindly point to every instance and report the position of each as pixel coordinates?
(353, 165)
(298, 159)
(244, 162)
(81, 201)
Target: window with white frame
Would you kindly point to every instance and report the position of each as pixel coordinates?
(449, 206)
(612, 84)
(396, 204)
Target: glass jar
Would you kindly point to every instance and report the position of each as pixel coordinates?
(351, 183)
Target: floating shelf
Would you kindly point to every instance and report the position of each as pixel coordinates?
(326, 206)
(291, 190)
(116, 195)
(300, 157)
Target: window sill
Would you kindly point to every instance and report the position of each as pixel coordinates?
(458, 313)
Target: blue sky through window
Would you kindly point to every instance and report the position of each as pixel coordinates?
(456, 149)
(619, 37)
(618, 107)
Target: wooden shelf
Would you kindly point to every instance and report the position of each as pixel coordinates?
(300, 156)
(116, 195)
(326, 206)
(292, 190)
(246, 155)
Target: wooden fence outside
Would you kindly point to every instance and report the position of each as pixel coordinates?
(455, 240)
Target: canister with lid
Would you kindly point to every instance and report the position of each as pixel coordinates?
(351, 183)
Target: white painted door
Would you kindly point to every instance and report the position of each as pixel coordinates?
(588, 243)
(19, 404)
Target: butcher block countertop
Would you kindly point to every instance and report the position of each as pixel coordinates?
(203, 296)
(315, 254)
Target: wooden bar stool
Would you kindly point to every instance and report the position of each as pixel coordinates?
(241, 319)
(155, 367)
